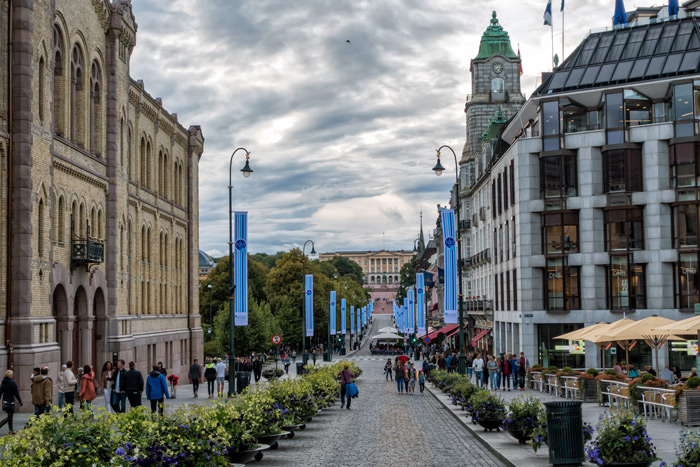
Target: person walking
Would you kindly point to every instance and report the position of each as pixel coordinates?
(220, 377)
(505, 371)
(398, 376)
(257, 369)
(294, 356)
(454, 363)
(8, 394)
(470, 366)
(412, 376)
(523, 365)
(492, 368)
(210, 376)
(42, 392)
(87, 387)
(118, 393)
(442, 363)
(345, 378)
(478, 364)
(67, 383)
(387, 370)
(60, 385)
(313, 356)
(406, 367)
(514, 371)
(156, 389)
(133, 385)
(161, 369)
(107, 383)
(195, 375)
(421, 381)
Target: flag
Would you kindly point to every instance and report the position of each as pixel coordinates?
(562, 5)
(240, 267)
(420, 304)
(450, 254)
(332, 312)
(620, 17)
(411, 312)
(352, 320)
(548, 14)
(521, 61)
(405, 315)
(309, 301)
(343, 318)
(672, 7)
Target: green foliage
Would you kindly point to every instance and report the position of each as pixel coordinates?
(267, 260)
(487, 406)
(526, 414)
(348, 269)
(255, 337)
(622, 437)
(407, 279)
(212, 348)
(567, 369)
(688, 448)
(693, 382)
(551, 370)
(610, 372)
(592, 372)
(648, 377)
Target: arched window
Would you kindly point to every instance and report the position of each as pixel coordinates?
(142, 160)
(40, 230)
(93, 223)
(59, 111)
(149, 157)
(128, 150)
(95, 109)
(81, 220)
(98, 226)
(42, 85)
(498, 85)
(161, 177)
(77, 98)
(182, 186)
(143, 244)
(61, 220)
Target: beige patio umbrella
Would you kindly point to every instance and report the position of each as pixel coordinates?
(580, 334)
(688, 327)
(645, 330)
(598, 336)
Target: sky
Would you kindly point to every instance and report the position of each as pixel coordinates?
(342, 135)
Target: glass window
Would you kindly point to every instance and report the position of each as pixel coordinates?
(550, 125)
(667, 37)
(587, 51)
(498, 85)
(558, 176)
(590, 75)
(560, 232)
(655, 66)
(624, 229)
(684, 164)
(634, 44)
(637, 109)
(651, 40)
(688, 280)
(575, 77)
(573, 116)
(687, 225)
(605, 74)
(562, 289)
(638, 68)
(626, 290)
(622, 170)
(602, 49)
(683, 109)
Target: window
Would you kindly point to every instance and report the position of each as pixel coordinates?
(515, 290)
(622, 170)
(625, 284)
(59, 123)
(637, 109)
(498, 85)
(624, 229)
(614, 118)
(512, 183)
(688, 280)
(95, 110)
(505, 189)
(77, 96)
(493, 198)
(685, 170)
(61, 220)
(560, 232)
(683, 109)
(142, 159)
(686, 225)
(40, 230)
(500, 197)
(562, 289)
(573, 116)
(41, 89)
(550, 125)
(558, 176)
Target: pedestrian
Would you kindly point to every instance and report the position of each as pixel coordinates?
(106, 378)
(118, 393)
(210, 375)
(514, 370)
(470, 367)
(442, 363)
(453, 364)
(387, 370)
(161, 369)
(133, 385)
(8, 394)
(478, 364)
(257, 369)
(156, 389)
(399, 375)
(285, 360)
(406, 367)
(220, 377)
(294, 356)
(345, 379)
(195, 375)
(412, 380)
(523, 365)
(42, 392)
(60, 385)
(421, 381)
(87, 392)
(426, 365)
(492, 368)
(313, 356)
(505, 371)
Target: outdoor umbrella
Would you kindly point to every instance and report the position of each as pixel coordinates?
(688, 327)
(580, 334)
(389, 329)
(597, 336)
(386, 336)
(645, 330)
(403, 359)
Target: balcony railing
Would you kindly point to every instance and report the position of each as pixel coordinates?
(85, 251)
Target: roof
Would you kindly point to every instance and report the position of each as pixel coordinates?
(495, 41)
(628, 55)
(494, 127)
(206, 261)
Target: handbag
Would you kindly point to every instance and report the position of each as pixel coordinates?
(351, 390)
(8, 406)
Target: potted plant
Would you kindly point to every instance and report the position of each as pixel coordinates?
(526, 414)
(603, 381)
(272, 373)
(539, 434)
(587, 385)
(488, 410)
(688, 396)
(688, 449)
(622, 440)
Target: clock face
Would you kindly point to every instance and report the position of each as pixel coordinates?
(498, 68)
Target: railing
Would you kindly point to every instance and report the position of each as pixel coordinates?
(87, 251)
(570, 386)
(480, 257)
(464, 224)
(657, 401)
(618, 393)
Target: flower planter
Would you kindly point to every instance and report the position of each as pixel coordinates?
(243, 457)
(490, 425)
(689, 407)
(628, 464)
(518, 435)
(292, 428)
(273, 440)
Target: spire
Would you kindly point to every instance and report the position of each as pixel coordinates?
(495, 41)
(421, 240)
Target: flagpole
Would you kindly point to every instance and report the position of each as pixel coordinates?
(552, 28)
(562, 35)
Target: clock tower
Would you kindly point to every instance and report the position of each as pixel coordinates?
(495, 84)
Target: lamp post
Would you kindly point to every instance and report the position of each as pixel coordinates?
(232, 321)
(211, 323)
(304, 355)
(438, 169)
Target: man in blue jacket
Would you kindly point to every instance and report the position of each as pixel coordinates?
(156, 389)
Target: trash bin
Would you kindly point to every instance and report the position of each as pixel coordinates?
(565, 432)
(342, 351)
(417, 357)
(242, 380)
(305, 358)
(300, 368)
(327, 356)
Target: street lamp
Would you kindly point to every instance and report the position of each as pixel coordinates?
(304, 355)
(439, 169)
(232, 321)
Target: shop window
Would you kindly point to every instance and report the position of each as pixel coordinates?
(688, 293)
(622, 170)
(558, 176)
(562, 289)
(560, 232)
(626, 285)
(550, 126)
(624, 229)
(686, 216)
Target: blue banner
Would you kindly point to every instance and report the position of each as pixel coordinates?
(411, 312)
(364, 316)
(405, 315)
(352, 320)
(343, 317)
(420, 304)
(309, 300)
(240, 268)
(332, 313)
(450, 244)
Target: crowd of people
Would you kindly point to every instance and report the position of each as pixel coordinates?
(406, 375)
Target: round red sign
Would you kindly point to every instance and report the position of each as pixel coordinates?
(276, 339)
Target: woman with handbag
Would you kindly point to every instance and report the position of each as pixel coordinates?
(345, 379)
(87, 392)
(8, 393)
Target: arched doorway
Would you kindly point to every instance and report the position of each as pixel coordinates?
(64, 322)
(80, 344)
(99, 329)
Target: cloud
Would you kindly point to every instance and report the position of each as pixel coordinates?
(342, 135)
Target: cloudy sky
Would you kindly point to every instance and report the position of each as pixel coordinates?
(342, 135)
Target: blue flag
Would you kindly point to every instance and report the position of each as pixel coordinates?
(343, 318)
(620, 17)
(672, 8)
(309, 301)
(450, 244)
(562, 5)
(240, 268)
(420, 304)
(548, 14)
(405, 315)
(332, 312)
(411, 312)
(352, 320)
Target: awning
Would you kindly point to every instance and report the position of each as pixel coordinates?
(445, 330)
(480, 336)
(453, 332)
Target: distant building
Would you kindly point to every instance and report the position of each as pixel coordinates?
(378, 267)
(206, 264)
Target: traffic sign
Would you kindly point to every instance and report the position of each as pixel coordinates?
(276, 339)
(426, 339)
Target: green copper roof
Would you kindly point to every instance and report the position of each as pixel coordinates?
(495, 41)
(494, 126)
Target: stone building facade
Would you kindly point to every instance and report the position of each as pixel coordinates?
(378, 267)
(99, 193)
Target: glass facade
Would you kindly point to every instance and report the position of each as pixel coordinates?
(560, 232)
(626, 284)
(562, 287)
(688, 293)
(622, 170)
(558, 176)
(624, 230)
(557, 352)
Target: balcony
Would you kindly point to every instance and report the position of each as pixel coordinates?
(481, 257)
(466, 263)
(465, 224)
(85, 251)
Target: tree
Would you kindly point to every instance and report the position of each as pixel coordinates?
(256, 337)
(347, 267)
(407, 279)
(267, 260)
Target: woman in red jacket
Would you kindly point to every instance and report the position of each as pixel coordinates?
(87, 387)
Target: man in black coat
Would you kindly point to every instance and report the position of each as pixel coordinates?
(257, 368)
(118, 401)
(133, 385)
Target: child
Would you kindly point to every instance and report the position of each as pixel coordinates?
(421, 381)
